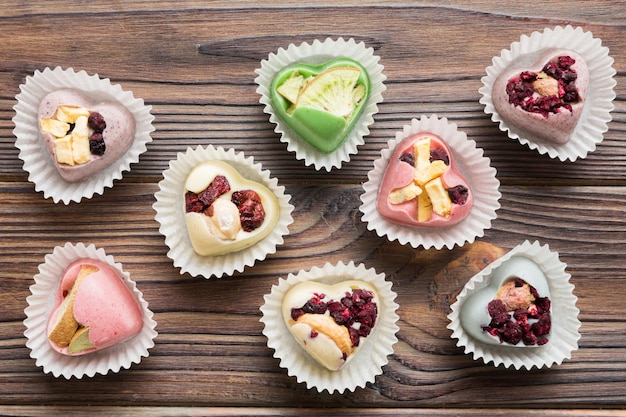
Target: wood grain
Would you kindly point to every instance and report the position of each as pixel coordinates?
(194, 62)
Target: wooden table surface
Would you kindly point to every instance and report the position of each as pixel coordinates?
(194, 62)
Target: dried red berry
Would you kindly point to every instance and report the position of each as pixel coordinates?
(250, 207)
(522, 93)
(530, 325)
(96, 144)
(192, 203)
(439, 154)
(200, 202)
(495, 308)
(218, 186)
(96, 121)
(356, 310)
(458, 194)
(409, 158)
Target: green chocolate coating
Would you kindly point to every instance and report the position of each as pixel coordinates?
(321, 129)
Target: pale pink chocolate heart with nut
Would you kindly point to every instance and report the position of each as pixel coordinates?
(84, 136)
(546, 99)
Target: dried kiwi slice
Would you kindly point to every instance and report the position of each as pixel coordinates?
(290, 89)
(334, 90)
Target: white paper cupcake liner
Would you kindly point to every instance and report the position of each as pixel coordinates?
(314, 54)
(36, 159)
(169, 207)
(596, 115)
(564, 334)
(41, 303)
(372, 355)
(473, 166)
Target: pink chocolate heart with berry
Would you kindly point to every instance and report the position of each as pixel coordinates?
(78, 149)
(422, 185)
(545, 99)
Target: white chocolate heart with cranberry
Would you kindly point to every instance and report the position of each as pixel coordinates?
(323, 319)
(64, 134)
(221, 220)
(474, 314)
(540, 105)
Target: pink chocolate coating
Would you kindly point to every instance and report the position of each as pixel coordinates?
(399, 174)
(103, 302)
(118, 135)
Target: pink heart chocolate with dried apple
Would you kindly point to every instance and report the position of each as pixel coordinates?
(94, 309)
(225, 212)
(422, 185)
(331, 322)
(513, 309)
(84, 136)
(546, 99)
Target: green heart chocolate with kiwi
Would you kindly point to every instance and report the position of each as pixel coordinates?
(321, 103)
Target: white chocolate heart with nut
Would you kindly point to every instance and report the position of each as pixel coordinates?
(475, 314)
(331, 323)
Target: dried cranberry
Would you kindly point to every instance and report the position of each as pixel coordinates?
(495, 308)
(250, 207)
(566, 61)
(218, 186)
(439, 154)
(543, 304)
(511, 333)
(96, 121)
(355, 307)
(458, 194)
(542, 326)
(521, 91)
(529, 339)
(192, 203)
(528, 76)
(408, 158)
(515, 326)
(201, 202)
(96, 144)
(521, 316)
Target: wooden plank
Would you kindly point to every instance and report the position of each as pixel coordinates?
(194, 62)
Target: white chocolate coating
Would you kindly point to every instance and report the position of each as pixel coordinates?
(324, 347)
(474, 314)
(217, 236)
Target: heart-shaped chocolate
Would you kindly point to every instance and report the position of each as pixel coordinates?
(225, 212)
(513, 309)
(94, 309)
(422, 185)
(321, 103)
(331, 322)
(545, 99)
(84, 135)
